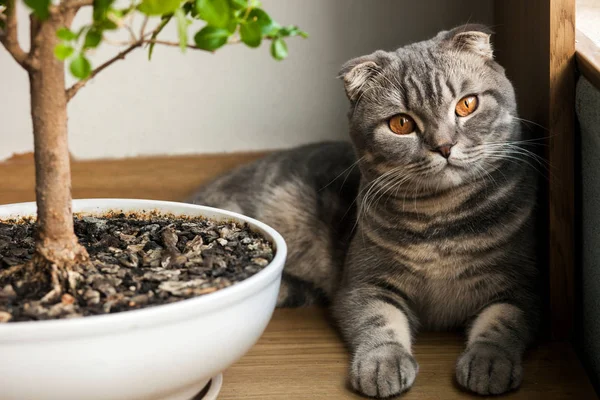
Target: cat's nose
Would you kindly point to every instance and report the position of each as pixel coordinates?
(444, 149)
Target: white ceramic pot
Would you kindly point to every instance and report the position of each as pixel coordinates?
(167, 352)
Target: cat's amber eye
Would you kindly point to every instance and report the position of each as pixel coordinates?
(466, 105)
(402, 124)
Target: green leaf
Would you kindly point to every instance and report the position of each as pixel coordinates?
(216, 13)
(251, 34)
(211, 38)
(62, 51)
(233, 24)
(182, 26)
(121, 12)
(101, 8)
(190, 8)
(273, 30)
(238, 4)
(39, 7)
(292, 31)
(66, 34)
(164, 21)
(158, 7)
(261, 18)
(279, 49)
(92, 39)
(80, 67)
(2, 24)
(106, 25)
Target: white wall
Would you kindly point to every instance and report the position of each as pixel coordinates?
(237, 99)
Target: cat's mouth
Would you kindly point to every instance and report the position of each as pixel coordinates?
(454, 164)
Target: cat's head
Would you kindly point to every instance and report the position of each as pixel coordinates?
(436, 112)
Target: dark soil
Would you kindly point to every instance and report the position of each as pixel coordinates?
(134, 263)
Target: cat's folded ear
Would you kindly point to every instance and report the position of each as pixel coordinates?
(357, 72)
(471, 37)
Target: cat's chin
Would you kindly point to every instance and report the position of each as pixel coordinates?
(448, 177)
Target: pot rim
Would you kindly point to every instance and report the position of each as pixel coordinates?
(151, 316)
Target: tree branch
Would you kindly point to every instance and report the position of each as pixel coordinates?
(36, 38)
(77, 4)
(166, 43)
(72, 91)
(69, 8)
(143, 28)
(9, 37)
(132, 34)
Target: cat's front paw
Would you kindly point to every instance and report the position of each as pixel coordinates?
(383, 371)
(488, 369)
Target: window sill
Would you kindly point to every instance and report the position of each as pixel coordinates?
(587, 54)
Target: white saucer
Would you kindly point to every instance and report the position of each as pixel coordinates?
(214, 387)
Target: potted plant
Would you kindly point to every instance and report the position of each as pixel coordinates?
(139, 253)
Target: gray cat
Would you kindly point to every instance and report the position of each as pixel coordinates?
(425, 221)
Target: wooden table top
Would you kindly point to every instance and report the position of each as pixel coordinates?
(301, 357)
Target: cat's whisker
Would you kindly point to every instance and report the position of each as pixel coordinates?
(486, 163)
(515, 151)
(349, 170)
(382, 185)
(369, 188)
(485, 174)
(526, 121)
(515, 160)
(531, 140)
(477, 152)
(523, 152)
(385, 183)
(395, 184)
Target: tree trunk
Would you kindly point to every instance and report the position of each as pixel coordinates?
(56, 243)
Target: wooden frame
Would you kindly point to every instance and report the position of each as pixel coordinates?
(536, 44)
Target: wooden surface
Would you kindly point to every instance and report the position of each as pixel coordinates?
(536, 45)
(588, 58)
(300, 357)
(158, 178)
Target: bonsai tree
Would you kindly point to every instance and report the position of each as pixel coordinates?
(54, 43)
